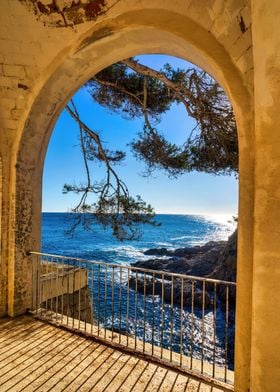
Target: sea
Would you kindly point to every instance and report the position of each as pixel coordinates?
(175, 231)
(145, 314)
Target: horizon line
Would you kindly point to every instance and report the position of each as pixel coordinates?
(158, 213)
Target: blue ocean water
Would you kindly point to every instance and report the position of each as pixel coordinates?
(122, 308)
(175, 231)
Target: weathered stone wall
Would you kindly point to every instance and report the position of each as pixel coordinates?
(62, 289)
(76, 305)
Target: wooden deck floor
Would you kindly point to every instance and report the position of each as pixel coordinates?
(35, 356)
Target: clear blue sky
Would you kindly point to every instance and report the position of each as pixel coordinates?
(190, 193)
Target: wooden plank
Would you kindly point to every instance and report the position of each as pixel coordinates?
(119, 378)
(130, 382)
(100, 368)
(56, 376)
(27, 367)
(81, 373)
(38, 356)
(146, 378)
(25, 344)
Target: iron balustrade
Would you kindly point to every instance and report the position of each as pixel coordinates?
(182, 321)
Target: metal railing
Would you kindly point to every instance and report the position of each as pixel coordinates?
(179, 320)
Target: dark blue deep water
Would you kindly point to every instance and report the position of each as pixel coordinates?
(144, 314)
(176, 231)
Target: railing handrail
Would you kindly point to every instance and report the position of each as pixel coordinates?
(130, 267)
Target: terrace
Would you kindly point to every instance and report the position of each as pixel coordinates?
(37, 356)
(103, 327)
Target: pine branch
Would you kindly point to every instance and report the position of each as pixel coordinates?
(114, 207)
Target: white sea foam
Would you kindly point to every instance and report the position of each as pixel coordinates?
(125, 252)
(164, 244)
(183, 237)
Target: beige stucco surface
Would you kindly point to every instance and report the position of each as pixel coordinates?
(42, 62)
(266, 264)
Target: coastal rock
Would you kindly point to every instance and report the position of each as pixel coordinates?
(216, 260)
(177, 291)
(202, 262)
(158, 252)
(187, 252)
(226, 270)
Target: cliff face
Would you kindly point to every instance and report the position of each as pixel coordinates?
(226, 263)
(226, 269)
(215, 260)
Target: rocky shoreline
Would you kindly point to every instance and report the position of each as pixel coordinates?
(216, 260)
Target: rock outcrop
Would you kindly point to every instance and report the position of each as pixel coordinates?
(155, 286)
(216, 260)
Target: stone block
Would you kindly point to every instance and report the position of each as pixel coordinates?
(201, 12)
(31, 72)
(7, 92)
(14, 70)
(230, 33)
(19, 58)
(5, 113)
(245, 62)
(20, 102)
(9, 82)
(246, 14)
(9, 123)
(17, 114)
(7, 103)
(242, 44)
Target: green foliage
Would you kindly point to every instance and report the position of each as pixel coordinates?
(157, 152)
(212, 146)
(125, 215)
(121, 90)
(135, 90)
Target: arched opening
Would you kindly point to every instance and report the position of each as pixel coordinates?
(85, 249)
(90, 55)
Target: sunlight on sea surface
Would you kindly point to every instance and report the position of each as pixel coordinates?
(225, 225)
(175, 231)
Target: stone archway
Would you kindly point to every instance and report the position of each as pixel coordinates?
(132, 33)
(2, 266)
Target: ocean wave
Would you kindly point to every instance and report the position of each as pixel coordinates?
(125, 252)
(164, 244)
(176, 232)
(183, 237)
